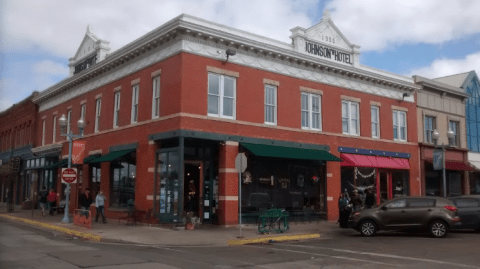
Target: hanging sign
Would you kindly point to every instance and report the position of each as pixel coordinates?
(437, 159)
(78, 152)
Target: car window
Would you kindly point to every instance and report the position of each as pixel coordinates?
(461, 203)
(397, 204)
(421, 202)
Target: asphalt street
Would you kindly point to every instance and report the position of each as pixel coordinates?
(22, 246)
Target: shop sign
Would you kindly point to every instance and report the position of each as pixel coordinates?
(328, 53)
(437, 159)
(15, 164)
(78, 152)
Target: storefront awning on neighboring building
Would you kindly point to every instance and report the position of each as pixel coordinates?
(89, 159)
(456, 166)
(290, 153)
(475, 165)
(62, 163)
(374, 161)
(112, 156)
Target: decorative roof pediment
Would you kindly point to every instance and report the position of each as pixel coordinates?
(327, 33)
(88, 45)
(324, 40)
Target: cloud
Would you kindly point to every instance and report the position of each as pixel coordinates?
(58, 26)
(377, 25)
(445, 67)
(50, 68)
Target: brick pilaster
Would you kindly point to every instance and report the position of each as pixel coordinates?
(228, 184)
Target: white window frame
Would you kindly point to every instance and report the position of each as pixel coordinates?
(135, 94)
(397, 113)
(69, 121)
(83, 111)
(456, 140)
(43, 132)
(377, 123)
(274, 104)
(349, 117)
(221, 96)
(428, 134)
(156, 97)
(116, 109)
(309, 111)
(54, 135)
(98, 110)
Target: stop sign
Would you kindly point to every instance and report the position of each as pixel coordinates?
(69, 175)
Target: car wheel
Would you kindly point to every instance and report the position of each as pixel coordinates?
(368, 228)
(438, 229)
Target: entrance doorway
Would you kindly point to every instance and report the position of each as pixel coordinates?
(193, 188)
(383, 187)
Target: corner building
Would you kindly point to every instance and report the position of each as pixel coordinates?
(168, 113)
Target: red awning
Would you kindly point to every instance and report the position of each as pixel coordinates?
(456, 166)
(374, 161)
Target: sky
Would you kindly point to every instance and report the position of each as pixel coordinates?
(430, 38)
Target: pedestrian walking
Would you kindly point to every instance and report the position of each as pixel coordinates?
(52, 200)
(370, 199)
(43, 199)
(85, 202)
(100, 203)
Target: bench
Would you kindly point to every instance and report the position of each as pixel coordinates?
(272, 218)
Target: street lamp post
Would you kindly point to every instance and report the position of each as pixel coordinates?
(70, 136)
(435, 137)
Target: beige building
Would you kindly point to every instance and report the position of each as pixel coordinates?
(441, 110)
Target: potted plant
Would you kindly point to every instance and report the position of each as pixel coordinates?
(190, 221)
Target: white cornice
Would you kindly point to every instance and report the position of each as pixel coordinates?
(139, 54)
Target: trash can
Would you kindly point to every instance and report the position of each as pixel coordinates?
(10, 206)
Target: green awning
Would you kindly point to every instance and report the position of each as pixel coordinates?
(62, 163)
(90, 159)
(290, 153)
(112, 156)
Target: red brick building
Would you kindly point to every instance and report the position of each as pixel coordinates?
(17, 135)
(167, 114)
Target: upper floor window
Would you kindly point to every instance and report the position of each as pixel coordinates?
(430, 126)
(399, 125)
(98, 107)
(221, 96)
(116, 110)
(135, 90)
(83, 110)
(350, 121)
(375, 113)
(69, 121)
(43, 132)
(270, 104)
(311, 111)
(156, 97)
(54, 135)
(453, 126)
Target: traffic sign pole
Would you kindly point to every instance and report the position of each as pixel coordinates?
(66, 218)
(241, 166)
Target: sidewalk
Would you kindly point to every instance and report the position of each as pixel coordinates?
(202, 235)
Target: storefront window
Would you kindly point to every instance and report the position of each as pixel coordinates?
(122, 188)
(293, 185)
(168, 185)
(454, 184)
(95, 177)
(400, 183)
(475, 183)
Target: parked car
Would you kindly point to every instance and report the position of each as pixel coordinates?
(468, 211)
(434, 214)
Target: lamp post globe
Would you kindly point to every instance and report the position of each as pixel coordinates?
(450, 134)
(435, 136)
(62, 121)
(81, 124)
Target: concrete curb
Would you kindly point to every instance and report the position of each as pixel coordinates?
(84, 235)
(237, 242)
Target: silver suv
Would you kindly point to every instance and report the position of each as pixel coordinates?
(435, 214)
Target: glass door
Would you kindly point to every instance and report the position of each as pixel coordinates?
(167, 186)
(382, 187)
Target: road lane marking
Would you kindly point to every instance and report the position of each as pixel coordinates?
(386, 256)
(325, 255)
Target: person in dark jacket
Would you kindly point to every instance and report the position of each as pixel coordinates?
(369, 199)
(344, 212)
(43, 200)
(86, 201)
(356, 201)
